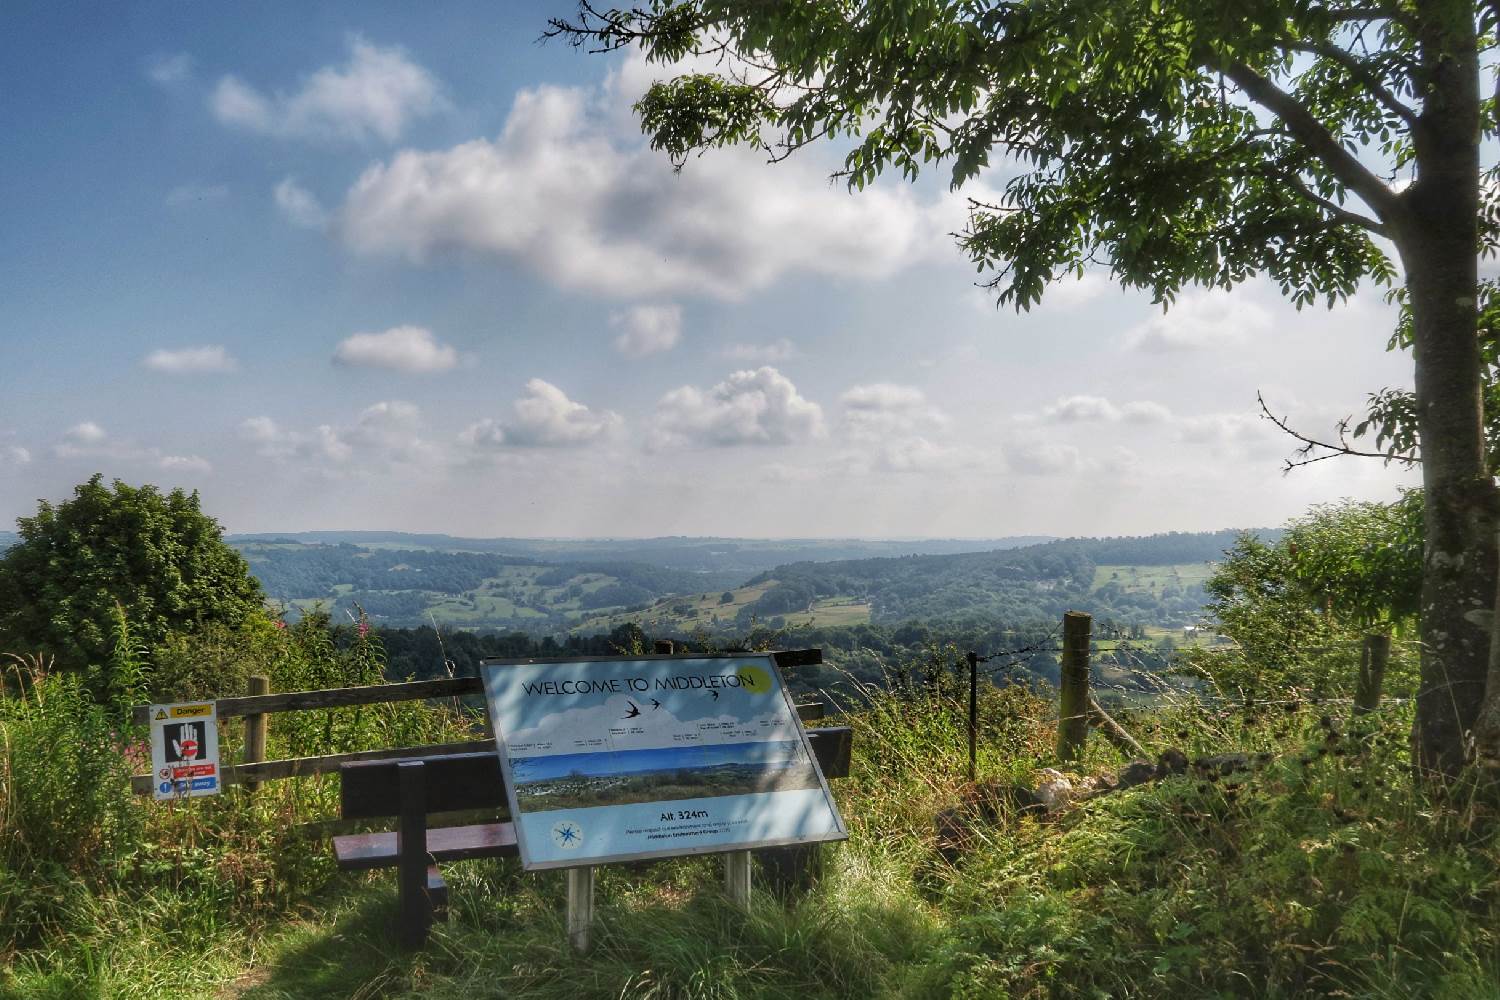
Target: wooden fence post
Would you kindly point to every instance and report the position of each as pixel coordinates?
(255, 728)
(1073, 704)
(1373, 657)
(973, 659)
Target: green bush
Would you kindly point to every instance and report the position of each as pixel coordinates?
(66, 814)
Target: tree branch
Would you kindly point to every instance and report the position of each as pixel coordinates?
(1306, 128)
(1334, 450)
(1333, 208)
(1345, 15)
(1361, 71)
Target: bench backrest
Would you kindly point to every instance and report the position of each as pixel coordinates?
(458, 781)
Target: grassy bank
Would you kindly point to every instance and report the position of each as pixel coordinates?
(1320, 873)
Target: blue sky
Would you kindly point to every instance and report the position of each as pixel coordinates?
(361, 266)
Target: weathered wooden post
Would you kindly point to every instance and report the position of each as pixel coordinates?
(737, 878)
(580, 906)
(1073, 705)
(1373, 657)
(255, 728)
(973, 659)
(411, 848)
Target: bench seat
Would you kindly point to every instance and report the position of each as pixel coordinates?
(357, 851)
(410, 789)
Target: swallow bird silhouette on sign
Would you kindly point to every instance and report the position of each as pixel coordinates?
(634, 711)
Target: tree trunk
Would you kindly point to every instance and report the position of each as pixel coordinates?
(1436, 232)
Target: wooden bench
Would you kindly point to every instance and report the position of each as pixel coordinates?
(409, 790)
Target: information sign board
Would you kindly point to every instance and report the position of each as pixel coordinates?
(610, 759)
(184, 750)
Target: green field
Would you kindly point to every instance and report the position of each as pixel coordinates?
(685, 613)
(1151, 579)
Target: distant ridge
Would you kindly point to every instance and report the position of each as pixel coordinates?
(694, 554)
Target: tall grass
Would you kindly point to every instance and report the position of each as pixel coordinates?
(1323, 871)
(105, 894)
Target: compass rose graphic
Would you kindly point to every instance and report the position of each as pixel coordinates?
(567, 834)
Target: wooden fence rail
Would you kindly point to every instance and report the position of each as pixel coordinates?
(255, 709)
(444, 687)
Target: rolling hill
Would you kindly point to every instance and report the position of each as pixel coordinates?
(537, 586)
(1153, 580)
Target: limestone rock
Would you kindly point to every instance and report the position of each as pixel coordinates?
(1055, 791)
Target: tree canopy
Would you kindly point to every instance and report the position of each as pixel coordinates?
(1335, 574)
(1174, 143)
(155, 555)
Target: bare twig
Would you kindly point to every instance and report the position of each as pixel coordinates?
(1307, 454)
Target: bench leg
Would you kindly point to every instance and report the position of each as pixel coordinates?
(412, 859)
(790, 870)
(437, 894)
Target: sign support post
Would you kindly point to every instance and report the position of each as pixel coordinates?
(580, 906)
(737, 878)
(614, 759)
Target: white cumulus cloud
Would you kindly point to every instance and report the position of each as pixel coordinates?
(647, 329)
(884, 410)
(299, 206)
(894, 429)
(1043, 458)
(781, 349)
(184, 463)
(544, 418)
(384, 433)
(1226, 428)
(14, 454)
(191, 360)
(751, 407)
(167, 70)
(1201, 321)
(1088, 409)
(565, 191)
(376, 93)
(411, 349)
(86, 432)
(88, 441)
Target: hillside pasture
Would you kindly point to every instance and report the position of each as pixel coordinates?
(1152, 579)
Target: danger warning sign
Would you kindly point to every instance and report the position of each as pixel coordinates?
(185, 750)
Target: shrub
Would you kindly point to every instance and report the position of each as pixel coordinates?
(65, 805)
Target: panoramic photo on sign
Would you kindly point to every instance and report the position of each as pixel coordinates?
(614, 760)
(184, 750)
